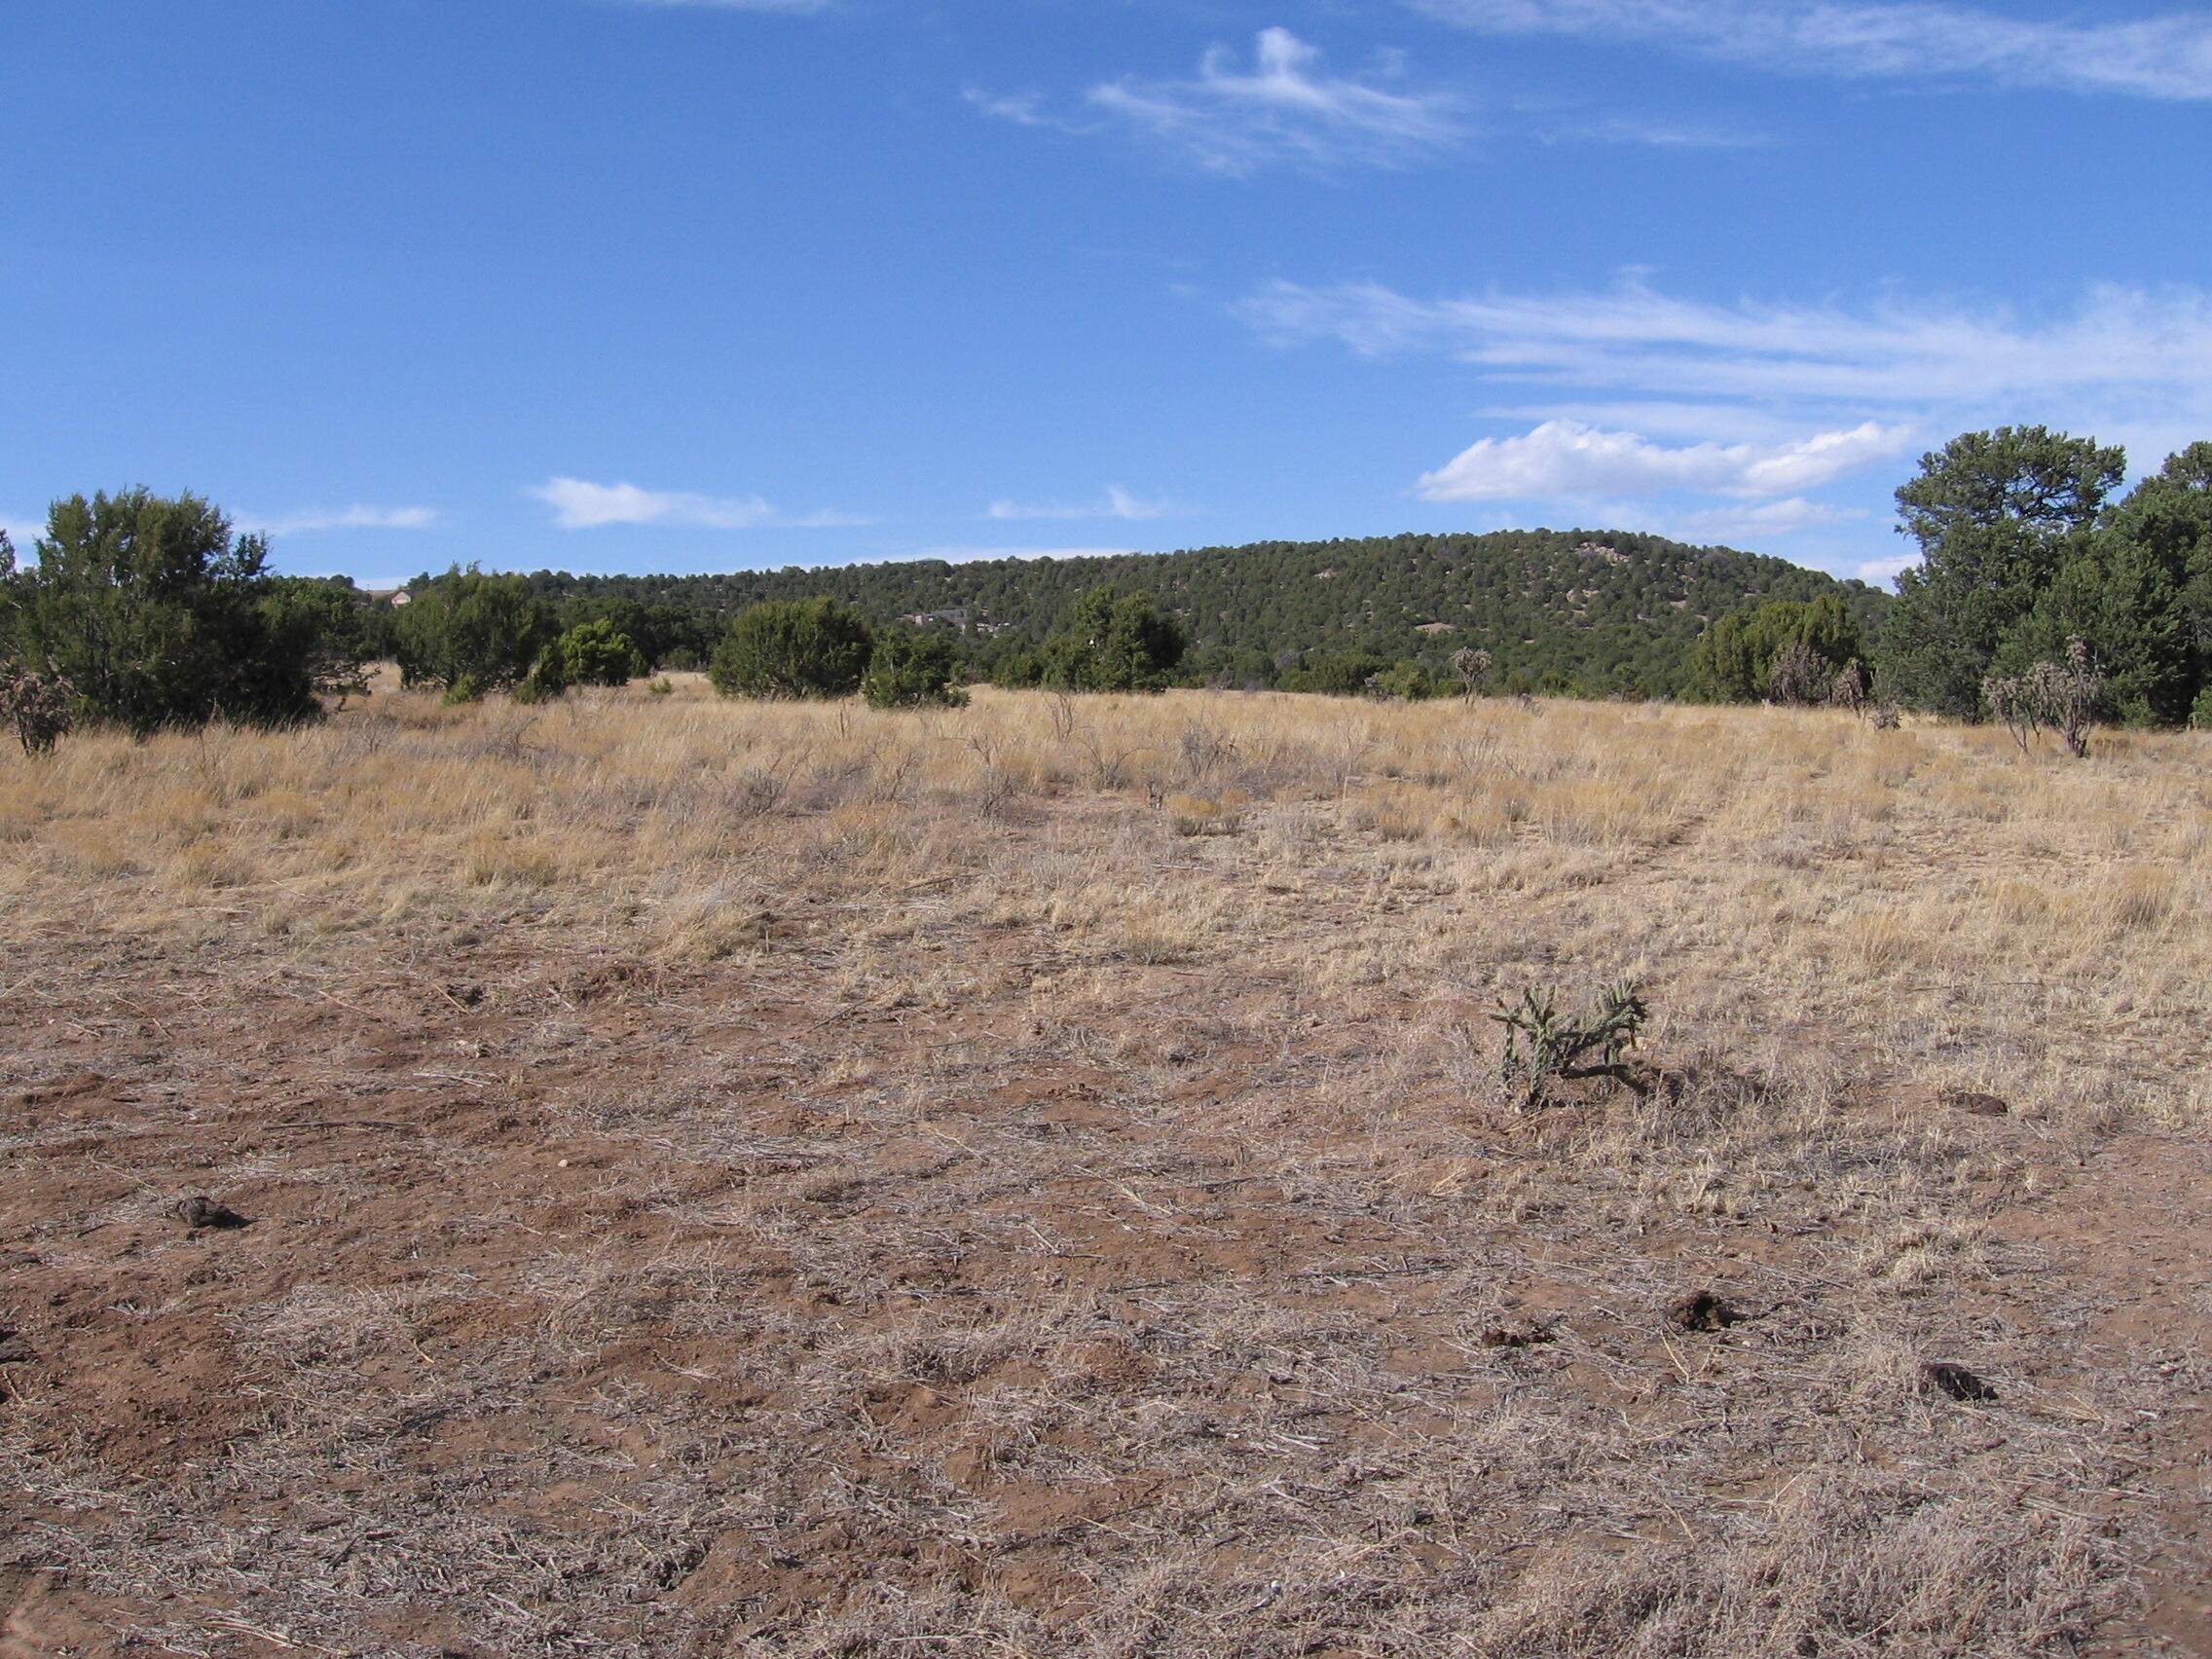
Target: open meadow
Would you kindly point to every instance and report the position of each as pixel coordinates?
(1035, 1179)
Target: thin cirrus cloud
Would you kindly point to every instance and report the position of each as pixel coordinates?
(2167, 56)
(1235, 120)
(343, 518)
(2148, 350)
(579, 504)
(1118, 505)
(1567, 459)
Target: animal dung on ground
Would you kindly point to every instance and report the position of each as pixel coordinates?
(1979, 1104)
(1518, 1334)
(1955, 1381)
(1702, 1310)
(200, 1211)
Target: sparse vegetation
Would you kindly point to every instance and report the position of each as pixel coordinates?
(1544, 1048)
(794, 1177)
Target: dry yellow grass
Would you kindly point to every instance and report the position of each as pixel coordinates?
(1050, 1153)
(2025, 924)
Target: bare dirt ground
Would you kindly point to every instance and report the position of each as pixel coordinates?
(722, 1181)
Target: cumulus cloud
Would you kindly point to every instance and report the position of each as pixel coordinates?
(1565, 458)
(1631, 391)
(1118, 505)
(343, 518)
(1235, 118)
(2155, 57)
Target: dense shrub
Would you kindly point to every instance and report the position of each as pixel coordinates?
(1781, 652)
(913, 670)
(809, 647)
(154, 615)
(591, 654)
(1115, 642)
(468, 633)
(1336, 674)
(330, 625)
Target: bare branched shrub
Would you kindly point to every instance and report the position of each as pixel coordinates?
(1848, 690)
(2065, 696)
(1109, 767)
(1800, 677)
(37, 705)
(1542, 1047)
(1205, 749)
(1472, 665)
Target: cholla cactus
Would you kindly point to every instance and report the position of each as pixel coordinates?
(1848, 690)
(1542, 1047)
(1472, 665)
(2066, 696)
(1799, 676)
(37, 705)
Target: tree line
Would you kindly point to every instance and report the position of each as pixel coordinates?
(2040, 594)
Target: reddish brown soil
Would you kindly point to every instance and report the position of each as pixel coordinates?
(587, 1306)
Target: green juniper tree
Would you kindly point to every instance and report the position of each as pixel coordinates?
(467, 632)
(157, 615)
(809, 647)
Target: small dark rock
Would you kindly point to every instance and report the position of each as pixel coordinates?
(1980, 1105)
(1518, 1334)
(200, 1211)
(14, 1350)
(1955, 1381)
(1702, 1310)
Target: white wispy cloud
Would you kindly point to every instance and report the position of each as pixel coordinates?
(579, 504)
(341, 518)
(1118, 505)
(1235, 120)
(2167, 56)
(2150, 349)
(1784, 517)
(1567, 459)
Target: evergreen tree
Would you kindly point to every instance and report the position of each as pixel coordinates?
(2167, 519)
(590, 653)
(1997, 516)
(1115, 642)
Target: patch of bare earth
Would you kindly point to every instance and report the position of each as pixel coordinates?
(948, 1216)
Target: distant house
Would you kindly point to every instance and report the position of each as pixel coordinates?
(1434, 628)
(956, 618)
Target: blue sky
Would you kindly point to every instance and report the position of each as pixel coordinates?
(701, 284)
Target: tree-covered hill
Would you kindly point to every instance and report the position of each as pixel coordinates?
(1573, 611)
